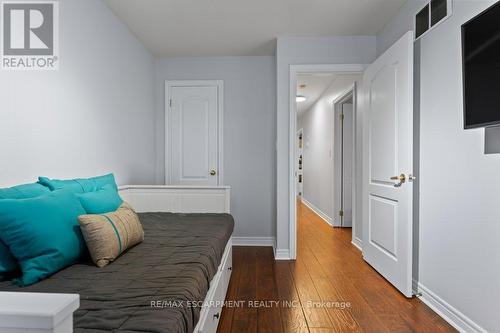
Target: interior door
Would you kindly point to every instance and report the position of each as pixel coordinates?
(347, 161)
(194, 135)
(343, 151)
(388, 145)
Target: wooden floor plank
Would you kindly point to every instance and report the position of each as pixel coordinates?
(315, 316)
(346, 277)
(292, 314)
(245, 318)
(328, 269)
(232, 290)
(344, 318)
(269, 316)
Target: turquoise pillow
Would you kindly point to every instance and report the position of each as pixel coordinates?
(79, 185)
(23, 191)
(42, 233)
(102, 201)
(7, 261)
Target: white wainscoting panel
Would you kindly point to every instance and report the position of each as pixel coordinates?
(177, 199)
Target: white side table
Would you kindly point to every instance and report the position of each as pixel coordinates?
(37, 312)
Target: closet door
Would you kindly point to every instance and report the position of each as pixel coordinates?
(193, 135)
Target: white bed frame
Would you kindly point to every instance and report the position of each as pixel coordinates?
(53, 313)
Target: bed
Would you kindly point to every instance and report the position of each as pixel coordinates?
(161, 284)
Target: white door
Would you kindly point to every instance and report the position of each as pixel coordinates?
(347, 161)
(343, 158)
(388, 147)
(193, 135)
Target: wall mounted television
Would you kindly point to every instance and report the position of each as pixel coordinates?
(481, 69)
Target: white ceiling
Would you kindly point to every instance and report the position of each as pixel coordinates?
(316, 84)
(245, 27)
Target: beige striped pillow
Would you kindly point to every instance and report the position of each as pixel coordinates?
(109, 235)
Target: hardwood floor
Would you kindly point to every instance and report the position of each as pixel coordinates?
(293, 296)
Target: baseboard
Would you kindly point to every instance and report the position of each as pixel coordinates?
(318, 211)
(358, 243)
(282, 254)
(453, 316)
(255, 241)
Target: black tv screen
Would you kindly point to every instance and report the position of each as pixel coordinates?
(481, 69)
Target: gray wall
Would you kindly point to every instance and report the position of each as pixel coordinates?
(305, 50)
(459, 185)
(399, 24)
(94, 115)
(249, 125)
(317, 156)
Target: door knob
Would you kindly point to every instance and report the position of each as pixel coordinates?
(213, 172)
(401, 178)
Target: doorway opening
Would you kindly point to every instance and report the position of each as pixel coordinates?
(383, 159)
(325, 147)
(343, 159)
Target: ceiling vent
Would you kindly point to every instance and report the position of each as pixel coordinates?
(433, 13)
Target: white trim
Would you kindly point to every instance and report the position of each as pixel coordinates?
(169, 84)
(292, 129)
(172, 187)
(300, 151)
(177, 199)
(358, 243)
(212, 309)
(23, 312)
(327, 68)
(318, 212)
(255, 241)
(346, 94)
(452, 315)
(282, 254)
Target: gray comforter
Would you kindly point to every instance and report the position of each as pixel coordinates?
(146, 289)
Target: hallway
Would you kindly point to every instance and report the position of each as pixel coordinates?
(329, 288)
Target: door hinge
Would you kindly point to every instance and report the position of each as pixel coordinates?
(170, 103)
(341, 213)
(341, 116)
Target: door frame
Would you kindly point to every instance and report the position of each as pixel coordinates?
(351, 92)
(219, 84)
(299, 131)
(292, 130)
